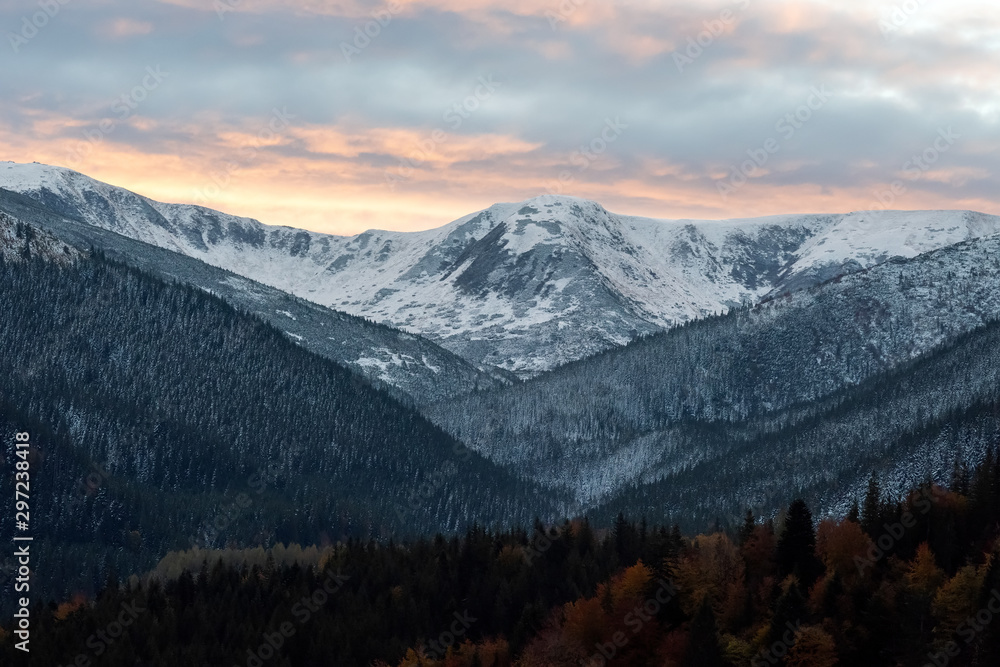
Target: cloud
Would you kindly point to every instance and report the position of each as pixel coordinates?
(124, 27)
(563, 69)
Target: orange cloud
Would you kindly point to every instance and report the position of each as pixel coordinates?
(330, 188)
(346, 195)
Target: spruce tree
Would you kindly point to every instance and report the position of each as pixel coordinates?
(871, 509)
(796, 549)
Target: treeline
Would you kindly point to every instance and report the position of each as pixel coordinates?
(895, 582)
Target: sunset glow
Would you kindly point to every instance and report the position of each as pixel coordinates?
(344, 116)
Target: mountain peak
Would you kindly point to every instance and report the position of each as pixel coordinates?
(35, 175)
(526, 285)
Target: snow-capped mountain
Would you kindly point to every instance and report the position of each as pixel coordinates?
(892, 368)
(408, 366)
(524, 286)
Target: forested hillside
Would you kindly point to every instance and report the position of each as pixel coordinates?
(898, 581)
(668, 403)
(909, 425)
(408, 366)
(162, 417)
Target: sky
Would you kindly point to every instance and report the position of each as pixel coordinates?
(345, 115)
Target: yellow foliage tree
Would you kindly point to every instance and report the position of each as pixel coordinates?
(924, 575)
(957, 599)
(713, 567)
(585, 620)
(630, 586)
(63, 611)
(814, 647)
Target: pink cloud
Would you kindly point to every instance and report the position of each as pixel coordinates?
(124, 27)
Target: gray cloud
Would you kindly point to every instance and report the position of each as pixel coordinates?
(558, 86)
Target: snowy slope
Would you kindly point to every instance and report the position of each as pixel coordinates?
(410, 367)
(20, 241)
(524, 286)
(735, 393)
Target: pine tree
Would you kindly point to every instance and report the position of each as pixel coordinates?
(796, 548)
(854, 513)
(749, 523)
(988, 650)
(789, 614)
(960, 477)
(871, 509)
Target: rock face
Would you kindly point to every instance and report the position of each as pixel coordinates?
(524, 287)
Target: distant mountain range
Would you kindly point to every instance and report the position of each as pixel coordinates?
(524, 287)
(599, 363)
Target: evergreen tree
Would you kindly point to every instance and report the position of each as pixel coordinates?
(749, 524)
(796, 548)
(854, 513)
(871, 509)
(790, 614)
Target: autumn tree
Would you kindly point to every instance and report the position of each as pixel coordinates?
(924, 576)
(814, 647)
(838, 544)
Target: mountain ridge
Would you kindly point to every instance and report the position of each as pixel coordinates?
(410, 367)
(667, 403)
(522, 286)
